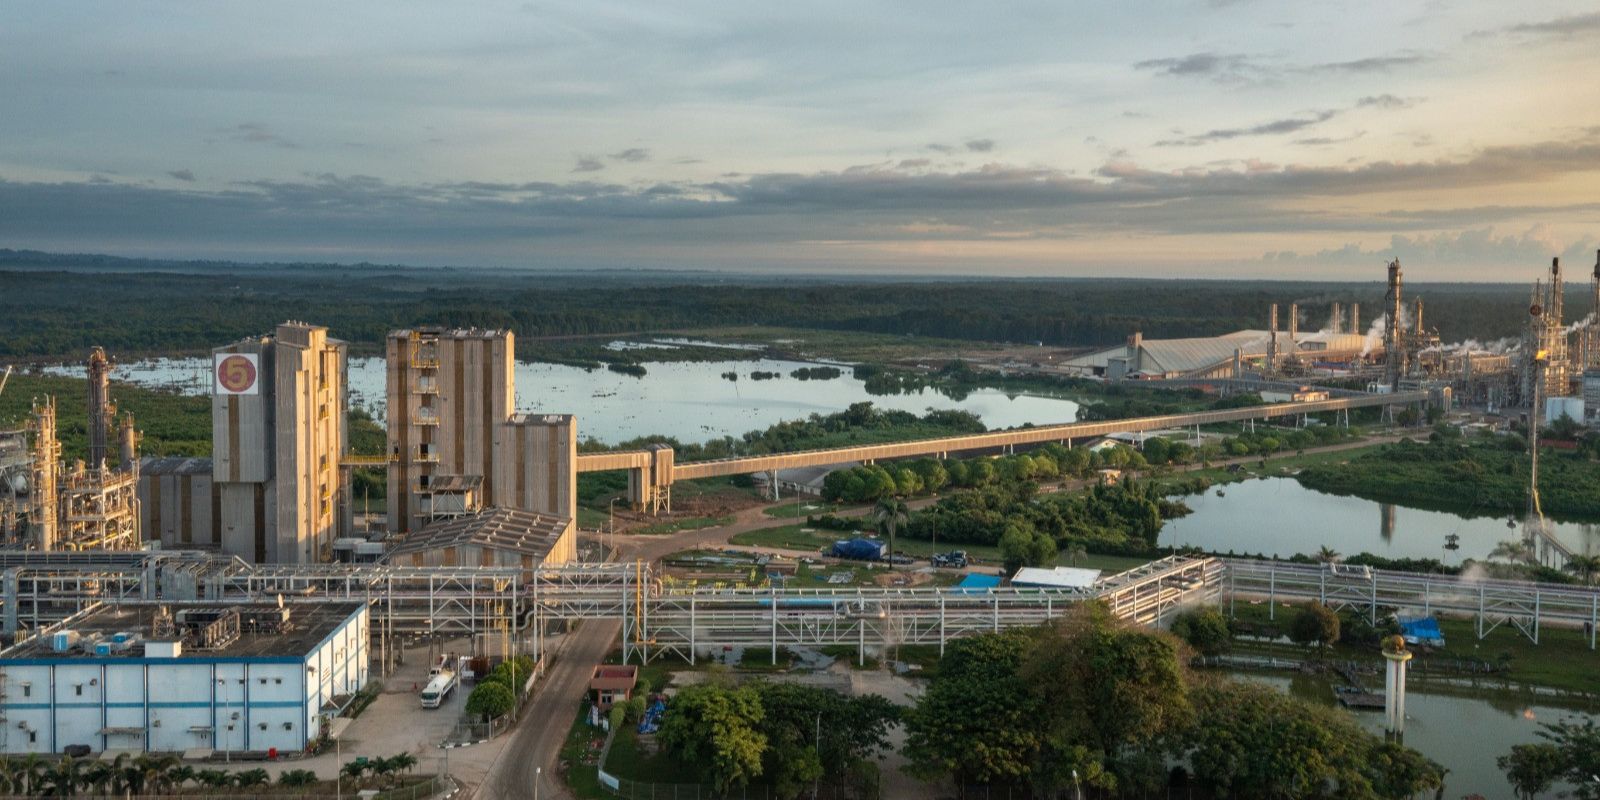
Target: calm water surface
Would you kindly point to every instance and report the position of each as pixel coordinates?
(1278, 516)
(1465, 735)
(690, 401)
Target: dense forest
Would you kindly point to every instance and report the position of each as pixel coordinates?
(60, 305)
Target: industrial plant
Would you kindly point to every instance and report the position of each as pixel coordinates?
(461, 457)
(249, 566)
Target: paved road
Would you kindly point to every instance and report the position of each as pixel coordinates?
(537, 740)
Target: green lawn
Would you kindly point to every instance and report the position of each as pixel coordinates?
(800, 509)
(1277, 466)
(685, 524)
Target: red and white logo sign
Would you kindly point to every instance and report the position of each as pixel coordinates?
(236, 373)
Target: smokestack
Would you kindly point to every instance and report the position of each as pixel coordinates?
(99, 407)
(1418, 314)
(1355, 318)
(1272, 338)
(1338, 318)
(46, 466)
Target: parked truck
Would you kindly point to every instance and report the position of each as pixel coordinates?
(442, 680)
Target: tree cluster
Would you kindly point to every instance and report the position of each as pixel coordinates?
(1091, 702)
(785, 735)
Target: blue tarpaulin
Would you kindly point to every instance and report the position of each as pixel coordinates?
(1423, 630)
(977, 584)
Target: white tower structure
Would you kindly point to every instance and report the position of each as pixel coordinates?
(1395, 657)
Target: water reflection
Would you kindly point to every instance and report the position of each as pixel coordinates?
(1278, 516)
(1464, 734)
(690, 401)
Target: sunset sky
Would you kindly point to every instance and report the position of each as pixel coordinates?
(1203, 139)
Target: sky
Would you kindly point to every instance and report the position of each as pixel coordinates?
(1204, 138)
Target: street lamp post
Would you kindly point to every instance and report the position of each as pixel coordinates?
(611, 514)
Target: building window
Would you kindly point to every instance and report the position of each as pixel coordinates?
(27, 690)
(78, 688)
(33, 737)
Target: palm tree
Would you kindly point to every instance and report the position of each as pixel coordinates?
(404, 762)
(251, 778)
(297, 778)
(355, 769)
(32, 773)
(1514, 550)
(889, 514)
(10, 775)
(66, 777)
(181, 775)
(215, 778)
(1328, 555)
(383, 768)
(1585, 567)
(101, 777)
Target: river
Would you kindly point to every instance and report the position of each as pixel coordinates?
(687, 400)
(1280, 517)
(1464, 734)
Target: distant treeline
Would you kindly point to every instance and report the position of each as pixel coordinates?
(55, 305)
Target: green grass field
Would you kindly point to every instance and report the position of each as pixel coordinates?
(685, 524)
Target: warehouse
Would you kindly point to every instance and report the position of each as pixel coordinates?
(1209, 356)
(182, 678)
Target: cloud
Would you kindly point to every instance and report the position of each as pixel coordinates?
(1386, 101)
(1559, 28)
(187, 176)
(1317, 141)
(1373, 64)
(1478, 246)
(1221, 67)
(980, 145)
(589, 219)
(1238, 68)
(256, 133)
(1275, 127)
(941, 148)
(588, 164)
(632, 154)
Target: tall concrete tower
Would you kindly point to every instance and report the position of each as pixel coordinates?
(449, 393)
(1355, 318)
(278, 434)
(1272, 340)
(101, 411)
(1336, 320)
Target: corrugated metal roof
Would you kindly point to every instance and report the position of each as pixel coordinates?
(1172, 356)
(496, 528)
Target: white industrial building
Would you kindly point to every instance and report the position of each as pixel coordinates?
(183, 678)
(1209, 356)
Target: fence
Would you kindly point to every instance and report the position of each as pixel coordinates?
(421, 791)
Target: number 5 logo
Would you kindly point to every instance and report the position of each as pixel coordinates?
(236, 373)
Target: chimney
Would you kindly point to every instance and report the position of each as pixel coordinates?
(1294, 326)
(1338, 318)
(1355, 318)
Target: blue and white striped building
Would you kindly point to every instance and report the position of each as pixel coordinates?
(183, 677)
